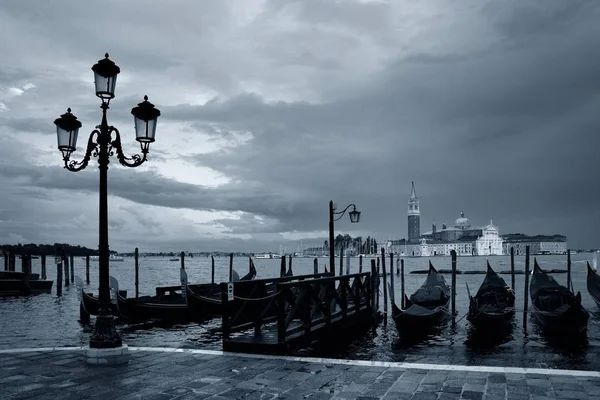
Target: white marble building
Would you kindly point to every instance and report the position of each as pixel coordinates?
(490, 242)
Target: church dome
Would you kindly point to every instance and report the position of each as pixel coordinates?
(462, 222)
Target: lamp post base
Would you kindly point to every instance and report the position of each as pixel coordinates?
(105, 335)
(107, 356)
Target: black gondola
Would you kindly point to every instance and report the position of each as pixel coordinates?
(169, 305)
(493, 306)
(554, 307)
(205, 299)
(593, 284)
(91, 303)
(426, 308)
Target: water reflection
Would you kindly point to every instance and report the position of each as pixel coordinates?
(481, 341)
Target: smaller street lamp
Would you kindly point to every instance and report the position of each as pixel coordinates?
(354, 218)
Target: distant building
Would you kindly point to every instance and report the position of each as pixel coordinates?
(462, 237)
(414, 217)
(538, 244)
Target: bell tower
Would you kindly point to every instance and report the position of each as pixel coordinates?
(414, 217)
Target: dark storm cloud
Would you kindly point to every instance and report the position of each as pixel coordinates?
(507, 133)
(490, 107)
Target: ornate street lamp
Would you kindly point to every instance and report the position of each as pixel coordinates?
(103, 142)
(354, 218)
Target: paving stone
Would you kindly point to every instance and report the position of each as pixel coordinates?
(570, 394)
(449, 396)
(471, 395)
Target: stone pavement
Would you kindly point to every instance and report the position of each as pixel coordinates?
(176, 374)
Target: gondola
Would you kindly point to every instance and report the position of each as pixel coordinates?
(493, 306)
(593, 284)
(554, 307)
(168, 305)
(426, 308)
(205, 299)
(91, 303)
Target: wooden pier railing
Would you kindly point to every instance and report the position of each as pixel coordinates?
(296, 310)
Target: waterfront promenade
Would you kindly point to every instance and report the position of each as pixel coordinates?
(164, 374)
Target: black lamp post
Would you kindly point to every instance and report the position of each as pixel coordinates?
(354, 218)
(103, 142)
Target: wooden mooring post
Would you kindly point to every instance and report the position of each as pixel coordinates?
(65, 259)
(136, 260)
(282, 267)
(72, 262)
(526, 289)
(11, 262)
(385, 288)
(360, 261)
(59, 275)
(402, 283)
(374, 288)
(512, 268)
(315, 266)
(26, 269)
(392, 287)
(569, 282)
(347, 262)
(230, 267)
(212, 269)
(182, 259)
(453, 255)
(87, 269)
(43, 261)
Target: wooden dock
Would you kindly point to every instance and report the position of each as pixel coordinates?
(299, 312)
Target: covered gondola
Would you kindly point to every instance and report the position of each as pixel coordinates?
(426, 308)
(593, 284)
(493, 306)
(554, 307)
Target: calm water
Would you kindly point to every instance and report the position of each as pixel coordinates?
(46, 320)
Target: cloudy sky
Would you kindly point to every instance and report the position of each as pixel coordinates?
(272, 108)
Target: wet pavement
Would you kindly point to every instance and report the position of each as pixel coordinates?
(165, 374)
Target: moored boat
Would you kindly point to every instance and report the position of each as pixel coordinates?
(554, 307)
(205, 299)
(91, 303)
(168, 305)
(426, 308)
(593, 284)
(493, 306)
(13, 283)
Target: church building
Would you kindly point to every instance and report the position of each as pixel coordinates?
(462, 237)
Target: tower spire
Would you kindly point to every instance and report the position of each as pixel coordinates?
(414, 224)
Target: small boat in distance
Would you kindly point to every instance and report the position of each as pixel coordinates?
(265, 256)
(593, 284)
(174, 259)
(554, 307)
(111, 258)
(426, 308)
(493, 306)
